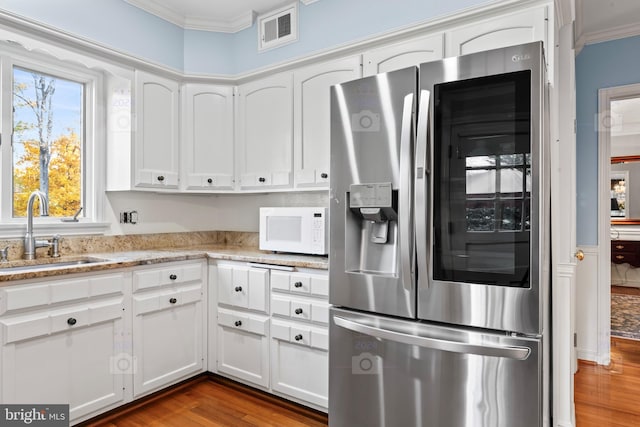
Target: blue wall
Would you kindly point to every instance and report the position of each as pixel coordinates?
(322, 25)
(113, 23)
(600, 65)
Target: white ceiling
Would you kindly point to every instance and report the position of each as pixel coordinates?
(211, 15)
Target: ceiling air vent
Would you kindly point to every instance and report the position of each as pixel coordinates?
(278, 27)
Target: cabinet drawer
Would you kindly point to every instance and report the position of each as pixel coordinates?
(166, 299)
(162, 276)
(26, 296)
(308, 310)
(243, 287)
(295, 333)
(624, 257)
(243, 321)
(301, 283)
(47, 322)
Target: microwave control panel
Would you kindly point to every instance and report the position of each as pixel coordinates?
(318, 231)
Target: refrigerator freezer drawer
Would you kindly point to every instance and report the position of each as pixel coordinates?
(389, 372)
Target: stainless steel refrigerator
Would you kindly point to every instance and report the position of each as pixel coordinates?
(439, 245)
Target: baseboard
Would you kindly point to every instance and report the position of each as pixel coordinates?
(271, 398)
(106, 417)
(134, 405)
(587, 355)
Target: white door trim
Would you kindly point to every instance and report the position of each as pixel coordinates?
(604, 121)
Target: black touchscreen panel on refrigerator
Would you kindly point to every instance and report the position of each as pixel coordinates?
(482, 180)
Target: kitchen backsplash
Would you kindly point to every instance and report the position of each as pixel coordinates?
(74, 245)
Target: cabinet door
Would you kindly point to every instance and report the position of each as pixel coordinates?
(509, 30)
(167, 337)
(401, 55)
(312, 124)
(265, 132)
(75, 355)
(300, 361)
(156, 132)
(243, 287)
(207, 146)
(243, 346)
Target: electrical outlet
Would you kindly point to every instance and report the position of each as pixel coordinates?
(129, 217)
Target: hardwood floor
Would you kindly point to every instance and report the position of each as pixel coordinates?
(608, 395)
(213, 402)
(604, 396)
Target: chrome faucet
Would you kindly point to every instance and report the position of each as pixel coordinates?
(30, 242)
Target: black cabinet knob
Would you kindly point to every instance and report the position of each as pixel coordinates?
(298, 311)
(324, 175)
(173, 277)
(173, 300)
(71, 321)
(238, 289)
(298, 284)
(210, 180)
(261, 179)
(238, 323)
(298, 337)
(161, 178)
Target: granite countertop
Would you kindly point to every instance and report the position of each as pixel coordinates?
(46, 267)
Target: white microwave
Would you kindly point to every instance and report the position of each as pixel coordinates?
(298, 230)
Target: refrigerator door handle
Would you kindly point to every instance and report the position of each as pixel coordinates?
(406, 215)
(421, 187)
(510, 352)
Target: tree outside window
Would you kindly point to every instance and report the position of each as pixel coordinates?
(47, 141)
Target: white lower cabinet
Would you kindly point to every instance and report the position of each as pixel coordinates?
(242, 321)
(243, 346)
(271, 329)
(300, 361)
(168, 325)
(65, 341)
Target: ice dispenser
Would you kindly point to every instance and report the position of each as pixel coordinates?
(372, 226)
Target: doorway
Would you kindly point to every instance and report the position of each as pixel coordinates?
(619, 214)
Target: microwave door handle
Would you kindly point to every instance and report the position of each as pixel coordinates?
(405, 211)
(421, 188)
(507, 351)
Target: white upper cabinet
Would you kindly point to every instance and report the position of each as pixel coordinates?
(497, 32)
(312, 121)
(207, 143)
(156, 131)
(265, 132)
(405, 54)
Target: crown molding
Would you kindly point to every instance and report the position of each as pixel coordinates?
(158, 10)
(616, 33)
(191, 22)
(239, 23)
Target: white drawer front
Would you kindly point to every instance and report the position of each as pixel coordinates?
(25, 296)
(243, 321)
(300, 283)
(167, 275)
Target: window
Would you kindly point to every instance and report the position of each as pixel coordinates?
(47, 141)
(49, 109)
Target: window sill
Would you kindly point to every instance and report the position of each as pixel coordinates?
(18, 229)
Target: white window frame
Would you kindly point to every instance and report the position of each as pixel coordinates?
(91, 221)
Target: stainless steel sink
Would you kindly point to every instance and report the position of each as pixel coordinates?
(47, 264)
